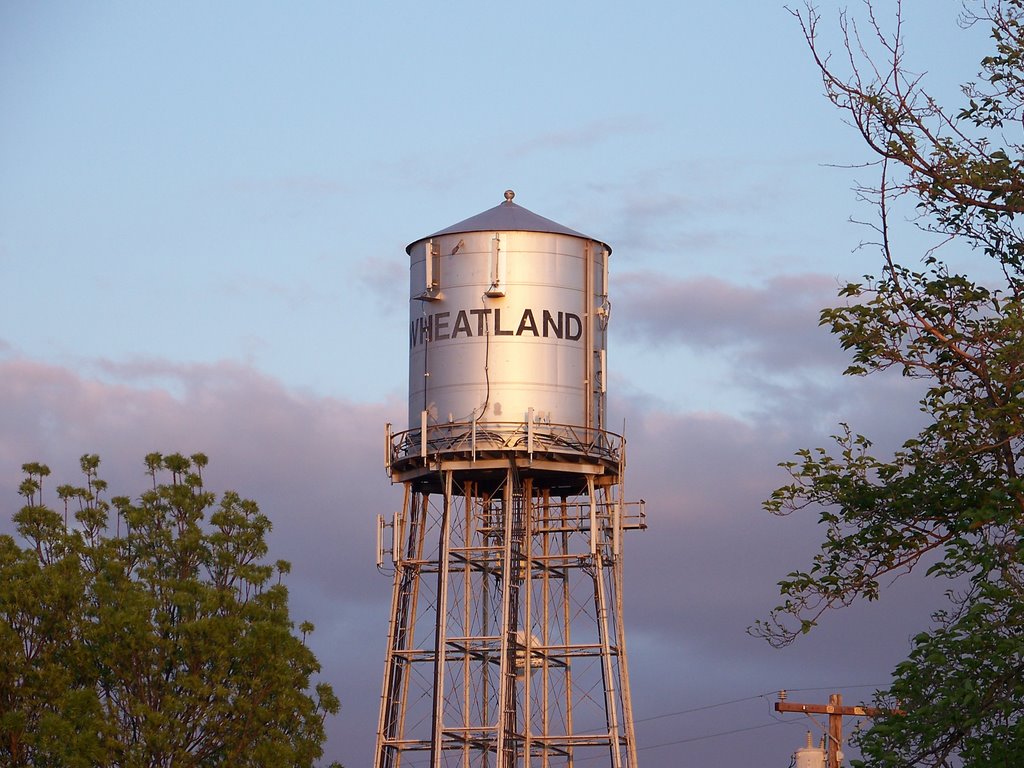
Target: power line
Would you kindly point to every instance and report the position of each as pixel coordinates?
(749, 698)
(720, 733)
(701, 709)
(775, 722)
(702, 737)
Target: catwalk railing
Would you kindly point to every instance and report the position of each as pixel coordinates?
(474, 439)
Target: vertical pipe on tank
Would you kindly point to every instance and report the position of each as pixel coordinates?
(603, 319)
(428, 333)
(497, 268)
(588, 339)
(428, 266)
(604, 273)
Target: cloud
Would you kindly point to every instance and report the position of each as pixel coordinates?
(773, 326)
(306, 459)
(704, 570)
(707, 568)
(680, 209)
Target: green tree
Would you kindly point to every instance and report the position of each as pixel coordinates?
(951, 499)
(163, 642)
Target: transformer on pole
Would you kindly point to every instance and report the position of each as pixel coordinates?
(506, 644)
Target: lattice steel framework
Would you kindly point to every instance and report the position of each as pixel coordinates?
(506, 644)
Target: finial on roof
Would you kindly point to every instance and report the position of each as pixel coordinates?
(509, 194)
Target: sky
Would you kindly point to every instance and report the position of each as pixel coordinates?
(204, 209)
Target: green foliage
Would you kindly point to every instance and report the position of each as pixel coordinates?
(951, 499)
(163, 643)
(961, 687)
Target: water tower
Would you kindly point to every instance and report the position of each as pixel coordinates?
(506, 644)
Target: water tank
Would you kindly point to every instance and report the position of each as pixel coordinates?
(508, 318)
(809, 756)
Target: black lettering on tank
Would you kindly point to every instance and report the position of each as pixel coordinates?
(527, 323)
(441, 325)
(438, 326)
(480, 315)
(461, 325)
(570, 333)
(549, 324)
(497, 324)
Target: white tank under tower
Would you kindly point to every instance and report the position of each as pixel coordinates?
(506, 644)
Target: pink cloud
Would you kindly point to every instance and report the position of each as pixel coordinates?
(306, 459)
(702, 573)
(774, 325)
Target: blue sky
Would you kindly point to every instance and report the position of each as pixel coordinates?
(203, 215)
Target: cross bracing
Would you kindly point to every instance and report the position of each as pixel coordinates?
(506, 645)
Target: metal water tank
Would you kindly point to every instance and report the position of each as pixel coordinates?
(809, 756)
(508, 323)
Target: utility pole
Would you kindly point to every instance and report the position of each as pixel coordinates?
(836, 712)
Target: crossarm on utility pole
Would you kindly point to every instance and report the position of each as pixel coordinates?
(827, 709)
(836, 712)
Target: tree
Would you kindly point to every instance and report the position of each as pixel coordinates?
(165, 642)
(951, 499)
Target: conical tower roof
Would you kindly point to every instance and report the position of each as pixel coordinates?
(507, 217)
